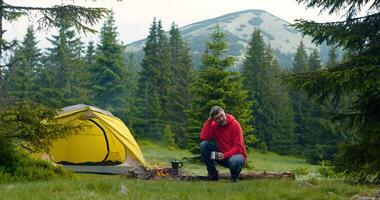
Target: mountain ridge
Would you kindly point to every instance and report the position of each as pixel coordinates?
(239, 26)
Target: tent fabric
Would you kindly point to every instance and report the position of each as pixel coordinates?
(98, 138)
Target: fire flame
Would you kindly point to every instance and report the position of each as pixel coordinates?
(161, 173)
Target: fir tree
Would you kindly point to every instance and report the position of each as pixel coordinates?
(300, 59)
(150, 122)
(109, 75)
(272, 110)
(307, 113)
(80, 17)
(316, 138)
(90, 54)
(348, 55)
(216, 84)
(60, 81)
(314, 61)
(166, 76)
(181, 68)
(357, 77)
(133, 78)
(19, 78)
(333, 58)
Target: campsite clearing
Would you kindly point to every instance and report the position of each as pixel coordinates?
(90, 186)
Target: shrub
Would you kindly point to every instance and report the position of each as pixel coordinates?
(301, 171)
(326, 171)
(25, 168)
(4, 177)
(21, 131)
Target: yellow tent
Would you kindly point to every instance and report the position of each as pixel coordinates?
(99, 139)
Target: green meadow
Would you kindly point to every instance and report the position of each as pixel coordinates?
(95, 186)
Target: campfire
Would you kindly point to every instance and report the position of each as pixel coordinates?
(164, 173)
(161, 173)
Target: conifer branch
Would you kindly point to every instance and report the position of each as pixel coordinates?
(76, 15)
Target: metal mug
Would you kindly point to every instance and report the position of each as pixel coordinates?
(213, 155)
(176, 164)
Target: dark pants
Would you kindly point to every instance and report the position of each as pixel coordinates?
(234, 163)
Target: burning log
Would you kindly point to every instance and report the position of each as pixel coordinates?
(163, 173)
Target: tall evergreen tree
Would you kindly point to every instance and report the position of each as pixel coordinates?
(272, 111)
(300, 59)
(165, 78)
(348, 55)
(80, 17)
(304, 119)
(150, 117)
(359, 77)
(60, 82)
(133, 78)
(316, 137)
(19, 78)
(216, 84)
(109, 75)
(314, 61)
(333, 58)
(90, 56)
(180, 93)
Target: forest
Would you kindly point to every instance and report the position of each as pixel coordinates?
(324, 112)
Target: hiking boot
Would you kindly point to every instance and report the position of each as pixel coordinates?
(234, 177)
(213, 175)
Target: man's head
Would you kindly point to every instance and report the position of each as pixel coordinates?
(218, 115)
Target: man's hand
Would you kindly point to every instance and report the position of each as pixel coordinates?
(219, 156)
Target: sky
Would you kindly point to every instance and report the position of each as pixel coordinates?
(134, 17)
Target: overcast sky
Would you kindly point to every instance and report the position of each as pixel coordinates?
(133, 17)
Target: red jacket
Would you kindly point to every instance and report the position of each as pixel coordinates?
(229, 137)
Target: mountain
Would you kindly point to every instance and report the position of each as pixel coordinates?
(239, 26)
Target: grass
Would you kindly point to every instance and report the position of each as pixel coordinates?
(158, 155)
(90, 186)
(87, 186)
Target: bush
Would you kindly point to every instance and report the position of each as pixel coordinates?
(25, 168)
(263, 147)
(301, 171)
(21, 131)
(326, 171)
(4, 177)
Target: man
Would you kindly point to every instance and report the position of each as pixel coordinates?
(231, 152)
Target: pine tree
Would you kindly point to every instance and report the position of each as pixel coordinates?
(180, 93)
(133, 78)
(80, 17)
(19, 78)
(60, 81)
(109, 75)
(348, 55)
(333, 58)
(300, 59)
(90, 56)
(150, 118)
(303, 118)
(272, 110)
(216, 84)
(316, 137)
(314, 61)
(357, 77)
(166, 76)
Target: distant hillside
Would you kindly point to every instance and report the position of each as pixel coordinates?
(239, 26)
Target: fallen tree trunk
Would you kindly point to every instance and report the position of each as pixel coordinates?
(250, 176)
(168, 173)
